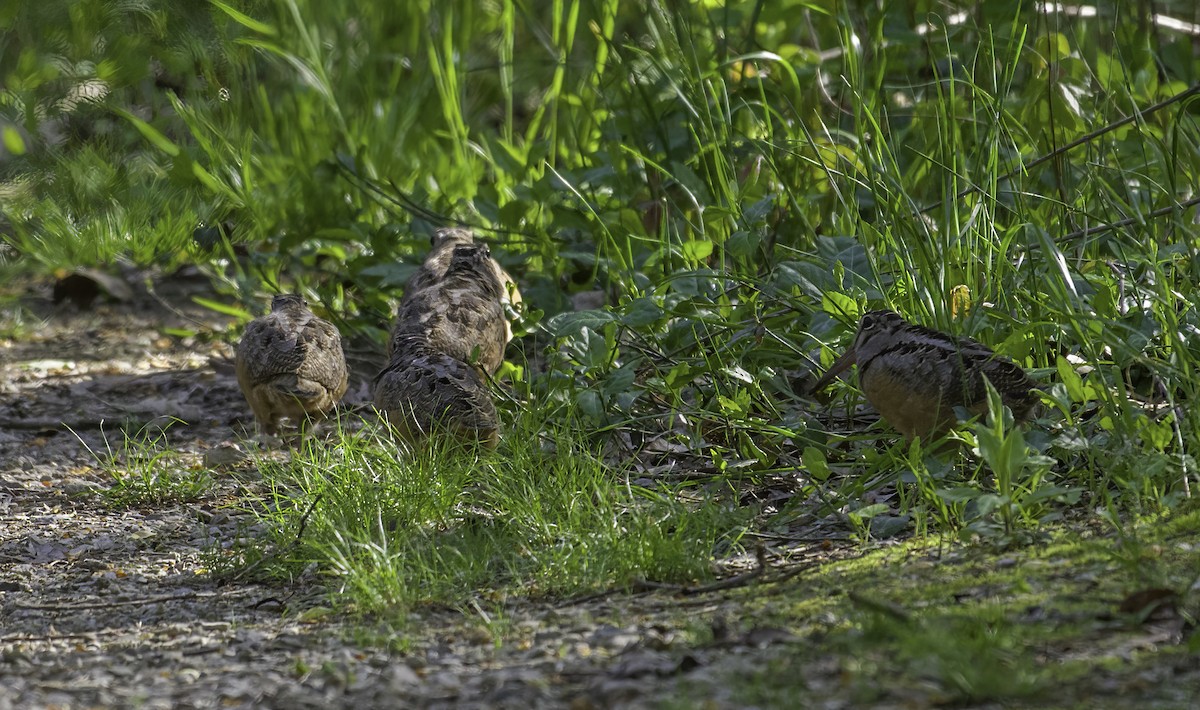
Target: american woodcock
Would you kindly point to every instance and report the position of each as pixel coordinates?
(290, 364)
(459, 314)
(915, 376)
(437, 263)
(422, 391)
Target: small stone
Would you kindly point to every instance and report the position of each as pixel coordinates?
(401, 674)
(77, 486)
(224, 455)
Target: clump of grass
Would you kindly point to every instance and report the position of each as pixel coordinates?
(145, 470)
(542, 516)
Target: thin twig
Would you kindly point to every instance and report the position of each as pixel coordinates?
(288, 548)
(304, 519)
(883, 608)
(203, 326)
(21, 638)
(1161, 211)
(760, 557)
(268, 600)
(82, 424)
(727, 583)
(120, 602)
(1073, 144)
(643, 586)
(795, 571)
(401, 200)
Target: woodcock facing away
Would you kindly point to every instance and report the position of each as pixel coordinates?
(916, 376)
(422, 391)
(290, 364)
(447, 335)
(437, 263)
(459, 314)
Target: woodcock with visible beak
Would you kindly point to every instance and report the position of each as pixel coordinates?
(915, 376)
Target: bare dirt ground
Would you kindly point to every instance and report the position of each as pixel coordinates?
(105, 605)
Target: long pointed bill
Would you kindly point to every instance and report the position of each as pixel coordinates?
(838, 367)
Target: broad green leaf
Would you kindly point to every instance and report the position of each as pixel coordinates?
(590, 404)
(1052, 47)
(1157, 434)
(742, 244)
(1070, 379)
(1104, 300)
(641, 312)
(730, 407)
(596, 352)
(958, 495)
(565, 324)
(748, 448)
(681, 374)
(760, 210)
(13, 142)
(840, 306)
(988, 502)
(390, 273)
(810, 279)
(1067, 495)
(868, 512)
(696, 249)
(688, 179)
(337, 251)
(621, 379)
(815, 463)
(885, 526)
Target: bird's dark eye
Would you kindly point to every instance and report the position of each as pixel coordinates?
(868, 322)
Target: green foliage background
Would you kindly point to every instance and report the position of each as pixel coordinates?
(741, 179)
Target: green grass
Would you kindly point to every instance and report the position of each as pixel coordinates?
(741, 180)
(926, 624)
(147, 471)
(543, 516)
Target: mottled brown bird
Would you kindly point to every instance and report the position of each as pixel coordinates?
(915, 376)
(437, 263)
(422, 392)
(459, 314)
(290, 364)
